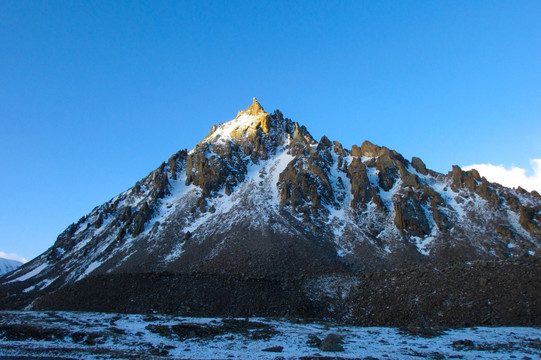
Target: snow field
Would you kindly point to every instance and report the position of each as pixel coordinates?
(116, 336)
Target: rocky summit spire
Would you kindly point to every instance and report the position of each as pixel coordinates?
(255, 109)
(261, 117)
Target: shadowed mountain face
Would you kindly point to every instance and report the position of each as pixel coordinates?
(260, 198)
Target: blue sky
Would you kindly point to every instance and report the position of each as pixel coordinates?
(96, 94)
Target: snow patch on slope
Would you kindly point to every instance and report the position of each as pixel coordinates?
(32, 273)
(93, 266)
(175, 253)
(275, 168)
(339, 217)
(41, 285)
(223, 131)
(423, 244)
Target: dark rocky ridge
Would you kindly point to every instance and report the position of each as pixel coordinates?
(458, 295)
(259, 198)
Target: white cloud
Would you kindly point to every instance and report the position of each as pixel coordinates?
(12, 257)
(512, 177)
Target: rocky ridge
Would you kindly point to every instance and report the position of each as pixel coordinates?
(260, 197)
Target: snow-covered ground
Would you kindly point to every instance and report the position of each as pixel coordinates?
(73, 335)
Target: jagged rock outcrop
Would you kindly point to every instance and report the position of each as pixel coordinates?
(259, 197)
(360, 184)
(410, 218)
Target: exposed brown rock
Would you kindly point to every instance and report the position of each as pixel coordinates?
(324, 143)
(338, 149)
(125, 216)
(211, 173)
(388, 172)
(475, 174)
(141, 217)
(511, 200)
(356, 151)
(409, 215)
(377, 200)
(504, 231)
(324, 148)
(160, 182)
(297, 135)
(176, 161)
(486, 192)
(463, 178)
(201, 203)
(441, 220)
(526, 219)
(331, 343)
(99, 221)
(408, 179)
(360, 185)
(419, 165)
(305, 182)
(370, 150)
(254, 109)
(429, 196)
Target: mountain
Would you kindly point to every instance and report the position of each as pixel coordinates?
(7, 265)
(258, 202)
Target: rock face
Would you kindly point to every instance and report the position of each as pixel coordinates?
(259, 198)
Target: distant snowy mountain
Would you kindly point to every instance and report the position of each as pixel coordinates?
(7, 265)
(260, 197)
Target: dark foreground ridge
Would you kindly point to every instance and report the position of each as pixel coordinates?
(460, 295)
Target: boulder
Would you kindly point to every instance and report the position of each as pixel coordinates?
(332, 343)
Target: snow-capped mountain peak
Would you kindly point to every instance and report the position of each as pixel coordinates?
(257, 127)
(259, 196)
(254, 110)
(7, 265)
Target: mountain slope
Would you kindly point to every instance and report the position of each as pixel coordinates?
(259, 197)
